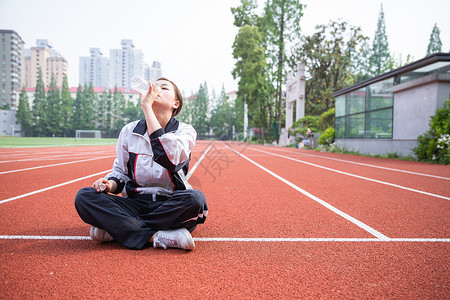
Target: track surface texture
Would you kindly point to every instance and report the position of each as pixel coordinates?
(282, 223)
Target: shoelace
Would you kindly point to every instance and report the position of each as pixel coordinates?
(164, 241)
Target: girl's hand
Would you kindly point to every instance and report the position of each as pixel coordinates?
(153, 92)
(102, 185)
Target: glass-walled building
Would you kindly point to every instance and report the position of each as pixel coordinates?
(366, 112)
(387, 113)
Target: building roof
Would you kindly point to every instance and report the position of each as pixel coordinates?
(96, 90)
(434, 63)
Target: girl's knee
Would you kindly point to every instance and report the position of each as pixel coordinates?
(83, 195)
(198, 199)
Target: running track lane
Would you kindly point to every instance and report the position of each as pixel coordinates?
(416, 180)
(392, 211)
(81, 268)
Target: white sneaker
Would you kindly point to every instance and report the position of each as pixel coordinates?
(100, 235)
(177, 238)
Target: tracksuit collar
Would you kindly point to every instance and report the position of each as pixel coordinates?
(141, 126)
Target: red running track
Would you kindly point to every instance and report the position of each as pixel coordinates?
(282, 222)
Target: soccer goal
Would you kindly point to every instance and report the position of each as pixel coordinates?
(92, 134)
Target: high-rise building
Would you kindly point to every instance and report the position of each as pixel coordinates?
(125, 63)
(94, 68)
(12, 70)
(43, 57)
(155, 71)
(116, 71)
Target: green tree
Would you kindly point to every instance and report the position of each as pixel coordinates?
(223, 117)
(360, 68)
(435, 44)
(24, 113)
(250, 69)
(185, 114)
(200, 119)
(101, 112)
(132, 112)
(380, 58)
(38, 111)
(78, 109)
(280, 27)
(328, 55)
(118, 107)
(53, 110)
(245, 14)
(89, 107)
(66, 109)
(108, 116)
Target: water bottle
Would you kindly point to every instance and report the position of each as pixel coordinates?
(102, 187)
(140, 85)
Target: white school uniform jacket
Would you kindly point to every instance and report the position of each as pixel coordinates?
(153, 164)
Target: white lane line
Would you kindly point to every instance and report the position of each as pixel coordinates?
(43, 237)
(231, 239)
(54, 165)
(349, 218)
(363, 164)
(218, 239)
(357, 176)
(189, 174)
(54, 146)
(54, 186)
(51, 157)
(92, 175)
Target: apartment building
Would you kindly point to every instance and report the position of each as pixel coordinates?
(94, 68)
(154, 72)
(124, 64)
(116, 71)
(11, 67)
(45, 58)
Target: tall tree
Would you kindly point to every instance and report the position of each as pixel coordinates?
(223, 117)
(24, 113)
(66, 108)
(78, 104)
(108, 117)
(435, 44)
(250, 69)
(200, 119)
(101, 112)
(38, 111)
(380, 59)
(328, 55)
(280, 27)
(185, 114)
(132, 112)
(118, 107)
(360, 56)
(245, 13)
(89, 107)
(53, 109)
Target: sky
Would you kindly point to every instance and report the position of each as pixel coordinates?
(192, 39)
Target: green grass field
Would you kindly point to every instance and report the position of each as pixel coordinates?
(16, 142)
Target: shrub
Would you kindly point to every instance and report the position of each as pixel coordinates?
(434, 145)
(327, 137)
(326, 119)
(300, 126)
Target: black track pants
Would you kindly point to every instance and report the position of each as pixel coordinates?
(133, 221)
